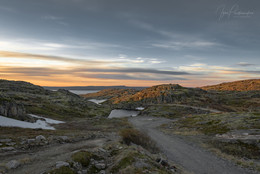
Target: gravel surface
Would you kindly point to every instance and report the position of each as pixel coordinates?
(180, 150)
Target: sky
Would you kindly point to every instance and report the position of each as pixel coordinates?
(129, 42)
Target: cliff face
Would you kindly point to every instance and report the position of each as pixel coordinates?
(242, 85)
(13, 110)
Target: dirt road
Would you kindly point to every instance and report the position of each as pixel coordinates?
(183, 152)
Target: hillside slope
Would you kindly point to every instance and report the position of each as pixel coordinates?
(18, 98)
(242, 85)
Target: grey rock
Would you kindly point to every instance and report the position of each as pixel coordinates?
(141, 164)
(84, 171)
(1, 144)
(31, 141)
(77, 166)
(5, 140)
(61, 164)
(102, 150)
(40, 138)
(100, 165)
(102, 172)
(13, 164)
(7, 149)
(63, 138)
(11, 144)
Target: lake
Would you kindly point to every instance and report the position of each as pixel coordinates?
(120, 113)
(80, 92)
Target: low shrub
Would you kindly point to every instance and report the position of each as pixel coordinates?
(131, 135)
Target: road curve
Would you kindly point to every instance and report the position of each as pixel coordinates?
(190, 156)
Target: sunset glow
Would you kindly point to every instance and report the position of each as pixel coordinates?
(81, 43)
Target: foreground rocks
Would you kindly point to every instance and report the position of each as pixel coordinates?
(114, 158)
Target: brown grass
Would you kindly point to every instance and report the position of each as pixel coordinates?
(131, 135)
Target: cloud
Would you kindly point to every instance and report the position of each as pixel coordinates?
(16, 55)
(137, 70)
(58, 20)
(184, 44)
(245, 64)
(136, 76)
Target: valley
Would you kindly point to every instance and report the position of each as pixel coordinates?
(161, 129)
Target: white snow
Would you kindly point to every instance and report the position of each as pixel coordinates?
(47, 120)
(43, 124)
(139, 108)
(97, 101)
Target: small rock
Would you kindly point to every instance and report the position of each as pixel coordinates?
(1, 144)
(31, 141)
(40, 138)
(245, 134)
(100, 165)
(84, 171)
(63, 138)
(5, 140)
(102, 172)
(102, 150)
(7, 149)
(61, 164)
(10, 144)
(13, 164)
(76, 165)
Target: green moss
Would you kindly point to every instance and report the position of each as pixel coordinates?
(82, 157)
(238, 148)
(63, 170)
(123, 163)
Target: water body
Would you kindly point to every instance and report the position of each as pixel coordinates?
(80, 92)
(120, 113)
(97, 101)
(42, 123)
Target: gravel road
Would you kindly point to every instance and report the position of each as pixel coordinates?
(183, 152)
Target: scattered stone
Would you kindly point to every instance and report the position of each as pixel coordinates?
(162, 162)
(40, 138)
(10, 144)
(102, 172)
(7, 149)
(141, 164)
(13, 164)
(31, 141)
(63, 138)
(61, 164)
(100, 166)
(5, 140)
(1, 144)
(77, 166)
(102, 150)
(84, 171)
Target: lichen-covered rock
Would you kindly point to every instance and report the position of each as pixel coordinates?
(13, 164)
(61, 164)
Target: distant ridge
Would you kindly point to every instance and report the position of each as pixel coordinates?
(92, 87)
(241, 85)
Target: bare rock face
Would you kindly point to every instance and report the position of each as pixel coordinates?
(11, 109)
(14, 110)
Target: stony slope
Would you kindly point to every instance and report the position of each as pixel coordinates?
(28, 98)
(243, 85)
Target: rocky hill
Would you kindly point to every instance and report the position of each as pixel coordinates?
(19, 98)
(167, 93)
(242, 85)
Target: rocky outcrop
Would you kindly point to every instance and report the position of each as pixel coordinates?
(13, 110)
